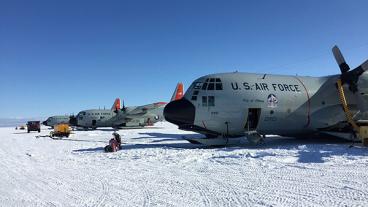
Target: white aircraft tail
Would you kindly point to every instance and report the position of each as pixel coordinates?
(178, 93)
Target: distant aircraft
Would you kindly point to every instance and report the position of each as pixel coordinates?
(54, 120)
(228, 105)
(135, 116)
(71, 120)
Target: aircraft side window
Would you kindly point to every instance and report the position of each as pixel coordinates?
(218, 80)
(218, 86)
(194, 98)
(212, 80)
(211, 101)
(195, 93)
(211, 86)
(81, 118)
(197, 85)
(204, 100)
(204, 86)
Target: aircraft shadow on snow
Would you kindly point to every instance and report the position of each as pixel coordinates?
(162, 137)
(79, 140)
(114, 130)
(139, 146)
(309, 150)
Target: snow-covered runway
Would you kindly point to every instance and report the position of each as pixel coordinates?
(158, 168)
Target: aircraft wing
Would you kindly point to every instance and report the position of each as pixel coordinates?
(141, 110)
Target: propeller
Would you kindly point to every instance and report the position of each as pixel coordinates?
(351, 77)
(124, 108)
(348, 76)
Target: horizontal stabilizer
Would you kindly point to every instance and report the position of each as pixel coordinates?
(141, 110)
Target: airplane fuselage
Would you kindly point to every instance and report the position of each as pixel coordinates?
(95, 118)
(233, 104)
(54, 120)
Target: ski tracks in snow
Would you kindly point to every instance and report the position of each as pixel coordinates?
(146, 197)
(104, 194)
(157, 172)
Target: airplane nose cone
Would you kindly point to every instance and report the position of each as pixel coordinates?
(73, 121)
(180, 112)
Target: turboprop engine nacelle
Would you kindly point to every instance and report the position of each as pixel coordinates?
(363, 84)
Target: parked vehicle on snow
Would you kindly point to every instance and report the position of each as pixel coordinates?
(61, 130)
(33, 126)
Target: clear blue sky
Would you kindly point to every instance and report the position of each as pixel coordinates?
(59, 57)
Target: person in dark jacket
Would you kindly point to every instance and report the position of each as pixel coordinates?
(117, 138)
(114, 143)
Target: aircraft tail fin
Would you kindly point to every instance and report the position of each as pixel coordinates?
(116, 105)
(178, 93)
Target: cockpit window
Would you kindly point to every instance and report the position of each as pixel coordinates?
(204, 87)
(211, 87)
(212, 84)
(197, 85)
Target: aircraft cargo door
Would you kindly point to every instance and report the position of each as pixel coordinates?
(252, 119)
(94, 123)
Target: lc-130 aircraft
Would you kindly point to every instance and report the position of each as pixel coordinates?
(135, 116)
(228, 105)
(71, 120)
(63, 119)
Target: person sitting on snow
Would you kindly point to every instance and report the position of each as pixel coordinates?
(114, 143)
(117, 138)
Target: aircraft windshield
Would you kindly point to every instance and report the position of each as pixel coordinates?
(212, 84)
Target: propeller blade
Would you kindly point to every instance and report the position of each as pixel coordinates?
(344, 67)
(352, 76)
(123, 108)
(361, 68)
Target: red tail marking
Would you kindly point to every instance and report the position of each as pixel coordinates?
(160, 103)
(116, 105)
(178, 93)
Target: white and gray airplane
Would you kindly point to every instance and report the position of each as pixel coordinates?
(54, 120)
(134, 116)
(228, 105)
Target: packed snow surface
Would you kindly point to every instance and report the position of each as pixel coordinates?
(158, 168)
